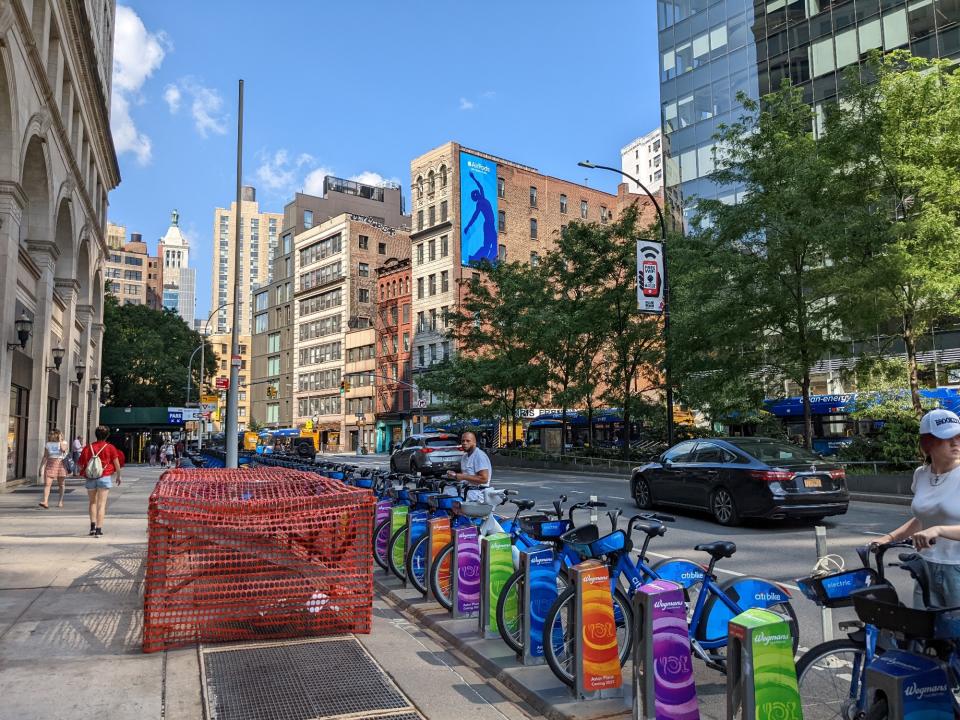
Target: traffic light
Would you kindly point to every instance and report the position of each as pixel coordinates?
(344, 386)
(271, 391)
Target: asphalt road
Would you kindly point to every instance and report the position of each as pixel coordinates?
(777, 550)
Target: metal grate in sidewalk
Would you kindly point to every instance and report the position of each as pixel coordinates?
(317, 679)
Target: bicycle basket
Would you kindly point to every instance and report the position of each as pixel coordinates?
(586, 541)
(542, 527)
(835, 590)
(879, 606)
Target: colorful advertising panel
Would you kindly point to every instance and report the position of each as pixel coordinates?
(650, 276)
(498, 565)
(478, 209)
(467, 578)
(599, 662)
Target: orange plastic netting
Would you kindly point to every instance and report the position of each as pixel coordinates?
(255, 554)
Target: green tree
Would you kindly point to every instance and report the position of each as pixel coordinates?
(897, 141)
(773, 284)
(254, 426)
(146, 353)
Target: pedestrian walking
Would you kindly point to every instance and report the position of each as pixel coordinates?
(77, 447)
(169, 453)
(100, 464)
(151, 454)
(52, 468)
(935, 525)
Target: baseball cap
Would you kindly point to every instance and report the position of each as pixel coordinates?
(940, 423)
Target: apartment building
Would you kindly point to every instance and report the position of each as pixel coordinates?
(359, 370)
(272, 361)
(220, 342)
(258, 243)
(394, 334)
(132, 276)
(469, 205)
(643, 159)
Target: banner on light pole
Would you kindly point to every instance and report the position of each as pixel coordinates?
(650, 276)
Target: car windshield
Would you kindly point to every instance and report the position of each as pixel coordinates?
(437, 442)
(775, 451)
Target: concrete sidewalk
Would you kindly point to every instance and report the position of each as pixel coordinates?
(71, 623)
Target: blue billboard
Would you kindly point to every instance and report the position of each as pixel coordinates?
(478, 209)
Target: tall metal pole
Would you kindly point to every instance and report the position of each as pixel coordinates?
(666, 297)
(203, 352)
(230, 431)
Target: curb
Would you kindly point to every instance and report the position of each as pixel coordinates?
(535, 685)
(881, 498)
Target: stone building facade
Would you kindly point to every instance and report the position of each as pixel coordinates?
(394, 327)
(57, 164)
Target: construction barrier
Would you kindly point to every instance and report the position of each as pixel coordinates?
(260, 553)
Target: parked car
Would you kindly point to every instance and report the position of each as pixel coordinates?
(737, 478)
(427, 454)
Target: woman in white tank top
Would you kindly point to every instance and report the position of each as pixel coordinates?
(51, 466)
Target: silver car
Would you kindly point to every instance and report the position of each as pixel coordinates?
(427, 454)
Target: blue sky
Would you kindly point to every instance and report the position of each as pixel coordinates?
(359, 89)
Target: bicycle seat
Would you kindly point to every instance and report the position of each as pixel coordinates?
(655, 529)
(524, 504)
(475, 510)
(717, 549)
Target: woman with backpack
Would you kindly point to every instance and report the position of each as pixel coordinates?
(100, 464)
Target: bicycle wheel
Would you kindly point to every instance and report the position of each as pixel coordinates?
(829, 677)
(395, 553)
(381, 540)
(559, 635)
(441, 577)
(877, 711)
(416, 565)
(511, 615)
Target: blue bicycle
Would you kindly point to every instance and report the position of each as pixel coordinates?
(714, 606)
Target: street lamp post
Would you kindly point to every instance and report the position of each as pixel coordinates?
(203, 346)
(666, 295)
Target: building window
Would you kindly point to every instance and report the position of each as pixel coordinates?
(363, 269)
(260, 323)
(406, 313)
(419, 288)
(432, 249)
(443, 176)
(563, 204)
(603, 214)
(273, 365)
(501, 188)
(406, 342)
(363, 295)
(474, 277)
(420, 356)
(444, 281)
(501, 221)
(446, 350)
(433, 353)
(419, 219)
(534, 259)
(432, 215)
(502, 253)
(445, 315)
(533, 228)
(433, 319)
(420, 254)
(273, 412)
(273, 342)
(381, 248)
(584, 209)
(433, 284)
(432, 183)
(443, 211)
(307, 219)
(419, 186)
(533, 196)
(420, 326)
(364, 242)
(444, 246)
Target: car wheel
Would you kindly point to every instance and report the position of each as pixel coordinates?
(723, 508)
(641, 494)
(393, 466)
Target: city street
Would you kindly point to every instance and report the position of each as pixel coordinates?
(778, 550)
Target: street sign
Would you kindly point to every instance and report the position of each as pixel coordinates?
(422, 403)
(223, 383)
(206, 415)
(208, 403)
(174, 416)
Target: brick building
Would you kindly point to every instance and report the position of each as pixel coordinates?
(358, 401)
(132, 276)
(394, 328)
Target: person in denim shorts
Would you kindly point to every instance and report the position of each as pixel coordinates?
(99, 488)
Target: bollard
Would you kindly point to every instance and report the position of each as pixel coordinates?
(597, 672)
(826, 614)
(416, 529)
(439, 536)
(465, 589)
(539, 591)
(398, 519)
(496, 567)
(915, 686)
(593, 511)
(761, 672)
(663, 684)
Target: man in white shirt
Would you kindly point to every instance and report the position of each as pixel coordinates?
(475, 468)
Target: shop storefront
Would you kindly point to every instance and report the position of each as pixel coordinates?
(17, 433)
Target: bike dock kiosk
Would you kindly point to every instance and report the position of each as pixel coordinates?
(416, 529)
(663, 683)
(439, 536)
(496, 567)
(465, 566)
(381, 513)
(761, 673)
(915, 686)
(398, 519)
(539, 591)
(597, 672)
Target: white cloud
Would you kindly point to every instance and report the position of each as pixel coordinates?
(137, 53)
(313, 183)
(172, 96)
(281, 175)
(466, 104)
(206, 105)
(368, 177)
(275, 173)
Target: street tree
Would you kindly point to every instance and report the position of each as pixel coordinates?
(896, 137)
(146, 353)
(773, 245)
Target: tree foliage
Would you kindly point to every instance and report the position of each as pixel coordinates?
(146, 353)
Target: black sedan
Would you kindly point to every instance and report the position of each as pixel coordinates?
(736, 478)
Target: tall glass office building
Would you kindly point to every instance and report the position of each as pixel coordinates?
(712, 49)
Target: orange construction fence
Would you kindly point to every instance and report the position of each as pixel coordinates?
(256, 554)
